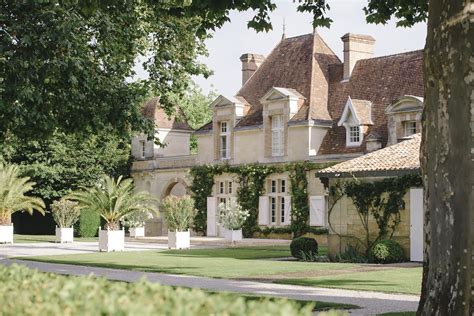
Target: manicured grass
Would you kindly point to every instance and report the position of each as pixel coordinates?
(216, 263)
(397, 280)
(43, 238)
(261, 252)
(399, 314)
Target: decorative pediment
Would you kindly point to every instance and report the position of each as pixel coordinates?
(356, 112)
(222, 101)
(404, 104)
(277, 93)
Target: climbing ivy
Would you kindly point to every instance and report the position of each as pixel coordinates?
(382, 200)
(251, 178)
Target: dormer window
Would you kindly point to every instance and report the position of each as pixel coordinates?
(224, 140)
(356, 118)
(277, 135)
(410, 128)
(354, 135)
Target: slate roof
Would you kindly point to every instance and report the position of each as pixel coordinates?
(403, 157)
(306, 64)
(380, 80)
(363, 110)
(153, 109)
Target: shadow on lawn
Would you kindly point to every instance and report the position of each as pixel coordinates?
(337, 283)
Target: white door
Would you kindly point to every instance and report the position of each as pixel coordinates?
(416, 225)
(317, 211)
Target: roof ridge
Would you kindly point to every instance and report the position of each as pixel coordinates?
(394, 55)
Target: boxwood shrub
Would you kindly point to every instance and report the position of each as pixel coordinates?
(303, 244)
(88, 224)
(387, 251)
(29, 292)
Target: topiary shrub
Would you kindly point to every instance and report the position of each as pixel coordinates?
(304, 245)
(386, 251)
(88, 224)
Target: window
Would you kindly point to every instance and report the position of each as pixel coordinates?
(221, 187)
(142, 149)
(224, 191)
(278, 201)
(410, 128)
(274, 186)
(282, 209)
(354, 135)
(277, 135)
(273, 208)
(224, 140)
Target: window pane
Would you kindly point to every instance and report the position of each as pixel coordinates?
(273, 207)
(410, 128)
(283, 186)
(354, 134)
(282, 208)
(274, 186)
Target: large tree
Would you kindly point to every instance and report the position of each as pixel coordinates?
(66, 65)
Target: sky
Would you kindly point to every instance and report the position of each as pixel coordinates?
(235, 39)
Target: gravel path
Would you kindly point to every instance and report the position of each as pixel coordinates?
(371, 303)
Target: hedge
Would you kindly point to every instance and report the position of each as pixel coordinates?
(29, 292)
(387, 251)
(306, 245)
(88, 224)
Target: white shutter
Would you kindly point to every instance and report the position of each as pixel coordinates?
(317, 211)
(287, 210)
(263, 216)
(211, 216)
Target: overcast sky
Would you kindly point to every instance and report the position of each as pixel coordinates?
(234, 39)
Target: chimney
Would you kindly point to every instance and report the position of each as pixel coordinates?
(250, 63)
(356, 47)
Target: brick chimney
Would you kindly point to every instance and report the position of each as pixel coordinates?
(356, 47)
(250, 63)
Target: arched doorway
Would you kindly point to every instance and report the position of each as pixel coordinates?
(176, 187)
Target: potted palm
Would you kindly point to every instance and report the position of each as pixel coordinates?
(65, 213)
(136, 222)
(232, 217)
(179, 213)
(13, 198)
(113, 199)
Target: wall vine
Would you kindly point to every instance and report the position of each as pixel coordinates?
(383, 200)
(252, 179)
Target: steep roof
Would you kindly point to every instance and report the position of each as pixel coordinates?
(379, 80)
(298, 63)
(152, 109)
(403, 157)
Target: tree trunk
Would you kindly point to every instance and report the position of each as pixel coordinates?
(447, 155)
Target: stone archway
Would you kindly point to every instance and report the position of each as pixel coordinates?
(177, 187)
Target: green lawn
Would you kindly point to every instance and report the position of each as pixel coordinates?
(216, 263)
(44, 238)
(397, 280)
(252, 262)
(399, 314)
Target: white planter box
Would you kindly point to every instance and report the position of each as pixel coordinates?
(179, 240)
(233, 235)
(6, 234)
(111, 240)
(137, 231)
(64, 235)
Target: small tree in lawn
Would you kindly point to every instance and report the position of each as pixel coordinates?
(113, 199)
(179, 213)
(65, 213)
(13, 190)
(232, 217)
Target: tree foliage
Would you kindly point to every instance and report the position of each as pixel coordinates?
(66, 66)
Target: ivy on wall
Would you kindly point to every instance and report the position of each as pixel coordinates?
(252, 179)
(383, 200)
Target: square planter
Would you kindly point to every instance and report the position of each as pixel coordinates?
(179, 240)
(64, 235)
(137, 231)
(233, 235)
(111, 240)
(6, 234)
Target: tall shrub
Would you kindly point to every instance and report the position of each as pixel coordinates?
(88, 225)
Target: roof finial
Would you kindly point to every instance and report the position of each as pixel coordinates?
(283, 36)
